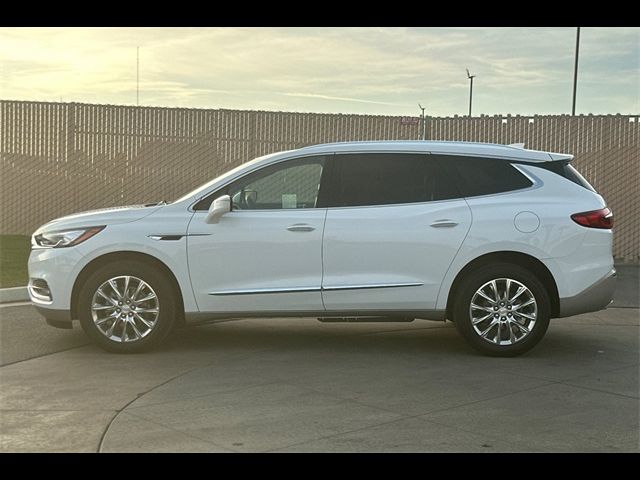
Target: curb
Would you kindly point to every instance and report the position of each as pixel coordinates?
(15, 294)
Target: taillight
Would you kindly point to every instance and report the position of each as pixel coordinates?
(602, 218)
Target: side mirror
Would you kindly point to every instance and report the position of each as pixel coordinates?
(219, 207)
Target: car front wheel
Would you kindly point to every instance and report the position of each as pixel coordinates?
(127, 307)
(502, 310)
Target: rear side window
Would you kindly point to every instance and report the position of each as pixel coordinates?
(567, 171)
(362, 179)
(483, 176)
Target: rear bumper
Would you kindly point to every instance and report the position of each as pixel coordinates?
(596, 297)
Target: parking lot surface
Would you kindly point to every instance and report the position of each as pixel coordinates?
(301, 385)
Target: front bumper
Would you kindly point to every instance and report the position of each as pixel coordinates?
(596, 297)
(52, 272)
(55, 268)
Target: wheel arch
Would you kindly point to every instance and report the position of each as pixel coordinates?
(529, 262)
(107, 258)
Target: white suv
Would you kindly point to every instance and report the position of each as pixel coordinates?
(495, 238)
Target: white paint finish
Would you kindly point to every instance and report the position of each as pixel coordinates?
(171, 219)
(585, 266)
(57, 267)
(61, 266)
(553, 199)
(390, 245)
(526, 222)
(560, 156)
(426, 244)
(93, 218)
(450, 148)
(249, 250)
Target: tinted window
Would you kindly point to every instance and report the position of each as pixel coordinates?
(567, 171)
(385, 179)
(483, 176)
(290, 184)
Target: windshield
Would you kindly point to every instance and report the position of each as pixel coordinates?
(202, 189)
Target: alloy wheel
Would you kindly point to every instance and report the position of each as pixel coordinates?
(125, 309)
(503, 311)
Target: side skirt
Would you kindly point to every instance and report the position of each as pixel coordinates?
(194, 318)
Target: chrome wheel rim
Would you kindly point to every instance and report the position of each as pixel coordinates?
(125, 309)
(503, 311)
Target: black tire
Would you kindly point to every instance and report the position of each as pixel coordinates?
(462, 315)
(164, 292)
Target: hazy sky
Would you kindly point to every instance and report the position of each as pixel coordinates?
(350, 70)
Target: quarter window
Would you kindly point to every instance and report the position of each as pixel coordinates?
(567, 171)
(483, 176)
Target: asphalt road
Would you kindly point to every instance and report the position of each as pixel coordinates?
(300, 385)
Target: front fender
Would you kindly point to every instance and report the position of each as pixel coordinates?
(140, 237)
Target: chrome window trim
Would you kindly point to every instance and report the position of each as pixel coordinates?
(514, 161)
(259, 291)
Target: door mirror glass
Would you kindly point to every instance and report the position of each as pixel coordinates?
(219, 207)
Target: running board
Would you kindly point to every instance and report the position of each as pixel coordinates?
(364, 319)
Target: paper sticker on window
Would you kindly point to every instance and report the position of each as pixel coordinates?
(289, 200)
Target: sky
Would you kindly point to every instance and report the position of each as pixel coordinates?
(365, 70)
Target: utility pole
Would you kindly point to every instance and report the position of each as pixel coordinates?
(470, 77)
(138, 76)
(424, 122)
(575, 72)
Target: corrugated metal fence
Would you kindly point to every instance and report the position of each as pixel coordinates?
(59, 158)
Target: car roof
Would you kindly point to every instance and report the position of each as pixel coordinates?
(489, 150)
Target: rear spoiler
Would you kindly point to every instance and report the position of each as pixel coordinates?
(555, 157)
(560, 156)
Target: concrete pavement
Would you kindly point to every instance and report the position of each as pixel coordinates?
(627, 292)
(25, 335)
(300, 385)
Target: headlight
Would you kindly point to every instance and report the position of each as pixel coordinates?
(64, 238)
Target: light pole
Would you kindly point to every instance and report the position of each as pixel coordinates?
(470, 77)
(138, 76)
(575, 72)
(424, 122)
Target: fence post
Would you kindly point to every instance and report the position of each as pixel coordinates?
(82, 145)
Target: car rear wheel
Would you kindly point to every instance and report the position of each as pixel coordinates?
(502, 310)
(127, 307)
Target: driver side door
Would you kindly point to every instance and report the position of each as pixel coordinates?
(266, 253)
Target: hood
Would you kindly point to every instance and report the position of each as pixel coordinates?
(103, 216)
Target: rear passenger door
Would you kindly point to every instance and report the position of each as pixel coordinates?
(394, 224)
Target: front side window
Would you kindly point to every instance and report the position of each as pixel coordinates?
(286, 185)
(363, 179)
(291, 184)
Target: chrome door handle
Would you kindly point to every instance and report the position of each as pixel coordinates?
(444, 224)
(301, 227)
